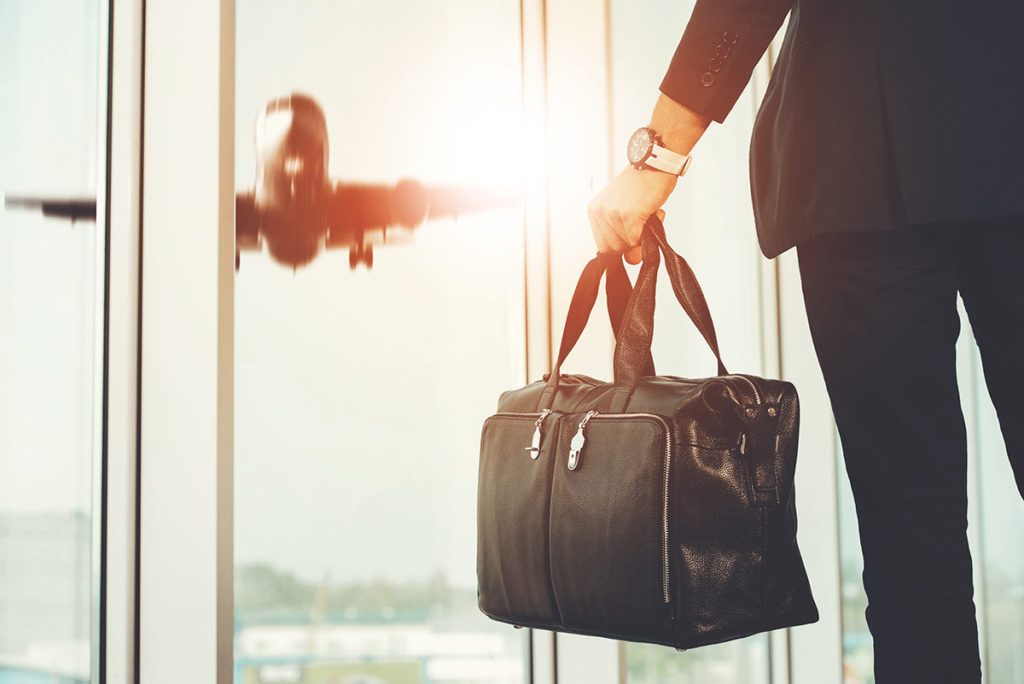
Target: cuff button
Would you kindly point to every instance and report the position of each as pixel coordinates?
(730, 37)
(707, 79)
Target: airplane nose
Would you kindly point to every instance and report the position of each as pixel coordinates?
(290, 150)
(291, 155)
(276, 127)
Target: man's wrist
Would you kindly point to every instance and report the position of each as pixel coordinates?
(679, 127)
(657, 182)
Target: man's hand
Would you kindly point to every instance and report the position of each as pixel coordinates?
(619, 212)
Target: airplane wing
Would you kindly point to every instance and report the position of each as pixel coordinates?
(356, 209)
(247, 222)
(453, 201)
(75, 209)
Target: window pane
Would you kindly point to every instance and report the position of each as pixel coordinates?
(50, 316)
(998, 560)
(736, 661)
(858, 651)
(1001, 614)
(360, 392)
(708, 219)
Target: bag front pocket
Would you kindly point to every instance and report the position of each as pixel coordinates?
(517, 453)
(609, 524)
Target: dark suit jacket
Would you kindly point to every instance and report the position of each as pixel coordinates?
(879, 113)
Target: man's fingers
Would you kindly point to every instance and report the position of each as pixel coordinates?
(633, 226)
(618, 230)
(602, 244)
(634, 231)
(596, 221)
(634, 255)
(605, 224)
(612, 230)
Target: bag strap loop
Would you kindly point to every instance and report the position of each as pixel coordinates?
(618, 290)
(687, 291)
(632, 312)
(638, 325)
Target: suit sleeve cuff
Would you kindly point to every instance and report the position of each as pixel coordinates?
(712, 66)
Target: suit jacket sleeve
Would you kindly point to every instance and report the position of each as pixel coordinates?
(723, 41)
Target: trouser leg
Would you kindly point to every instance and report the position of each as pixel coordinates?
(882, 313)
(992, 263)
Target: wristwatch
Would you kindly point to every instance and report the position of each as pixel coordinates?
(646, 151)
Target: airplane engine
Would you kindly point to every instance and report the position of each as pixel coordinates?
(409, 203)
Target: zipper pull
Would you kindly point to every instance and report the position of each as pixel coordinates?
(534, 447)
(576, 445)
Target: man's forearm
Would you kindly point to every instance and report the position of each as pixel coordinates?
(680, 128)
(618, 213)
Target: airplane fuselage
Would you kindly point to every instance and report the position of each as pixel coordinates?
(291, 154)
(292, 185)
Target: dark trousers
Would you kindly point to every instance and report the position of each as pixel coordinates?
(883, 316)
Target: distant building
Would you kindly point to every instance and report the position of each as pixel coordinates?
(367, 654)
(45, 572)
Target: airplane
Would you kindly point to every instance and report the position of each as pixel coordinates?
(297, 210)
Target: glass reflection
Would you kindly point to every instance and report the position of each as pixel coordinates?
(50, 317)
(858, 649)
(999, 561)
(1001, 611)
(736, 661)
(708, 217)
(358, 370)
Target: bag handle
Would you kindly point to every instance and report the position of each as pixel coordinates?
(687, 291)
(618, 290)
(634, 342)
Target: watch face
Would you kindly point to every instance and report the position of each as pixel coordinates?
(639, 147)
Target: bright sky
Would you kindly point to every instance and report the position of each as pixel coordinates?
(359, 396)
(48, 84)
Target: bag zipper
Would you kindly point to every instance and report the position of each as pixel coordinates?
(534, 447)
(514, 414)
(666, 589)
(757, 392)
(594, 415)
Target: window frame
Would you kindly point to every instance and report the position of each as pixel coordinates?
(185, 563)
(115, 614)
(169, 479)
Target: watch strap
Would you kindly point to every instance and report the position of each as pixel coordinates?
(666, 160)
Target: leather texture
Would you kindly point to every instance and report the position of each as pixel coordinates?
(675, 522)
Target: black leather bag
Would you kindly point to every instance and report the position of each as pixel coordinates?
(653, 508)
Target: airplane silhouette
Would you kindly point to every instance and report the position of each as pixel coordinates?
(297, 210)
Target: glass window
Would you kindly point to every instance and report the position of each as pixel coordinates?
(52, 85)
(858, 652)
(365, 364)
(708, 220)
(1001, 556)
(998, 560)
